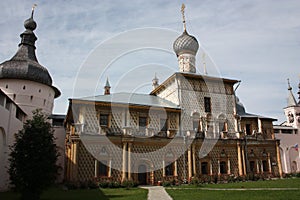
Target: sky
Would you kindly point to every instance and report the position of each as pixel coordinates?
(257, 42)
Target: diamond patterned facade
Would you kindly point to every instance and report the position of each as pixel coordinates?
(190, 126)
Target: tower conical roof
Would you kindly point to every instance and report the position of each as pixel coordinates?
(291, 101)
(24, 64)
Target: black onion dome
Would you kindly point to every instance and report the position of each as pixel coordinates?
(240, 108)
(185, 43)
(30, 24)
(24, 64)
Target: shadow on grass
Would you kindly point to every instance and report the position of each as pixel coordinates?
(59, 194)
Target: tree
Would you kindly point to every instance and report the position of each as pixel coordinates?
(33, 157)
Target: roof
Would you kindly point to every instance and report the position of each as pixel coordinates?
(132, 99)
(284, 127)
(195, 76)
(249, 115)
(24, 64)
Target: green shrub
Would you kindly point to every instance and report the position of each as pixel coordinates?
(128, 184)
(103, 184)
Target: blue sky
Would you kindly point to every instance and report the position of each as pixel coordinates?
(255, 41)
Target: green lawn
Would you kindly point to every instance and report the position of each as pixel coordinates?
(200, 192)
(103, 194)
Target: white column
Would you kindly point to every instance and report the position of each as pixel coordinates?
(129, 161)
(124, 162)
(175, 168)
(259, 125)
(228, 164)
(189, 162)
(210, 170)
(219, 167)
(257, 166)
(96, 168)
(109, 170)
(194, 160)
(164, 170)
(270, 166)
(284, 161)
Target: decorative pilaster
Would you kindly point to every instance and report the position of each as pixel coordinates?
(189, 163)
(194, 160)
(244, 161)
(164, 170)
(175, 168)
(279, 159)
(124, 162)
(129, 160)
(269, 163)
(96, 168)
(240, 165)
(228, 164)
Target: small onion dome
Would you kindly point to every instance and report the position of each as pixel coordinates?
(240, 107)
(30, 24)
(186, 43)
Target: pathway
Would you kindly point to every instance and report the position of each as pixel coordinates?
(157, 192)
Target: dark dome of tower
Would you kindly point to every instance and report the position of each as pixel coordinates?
(186, 43)
(24, 64)
(30, 24)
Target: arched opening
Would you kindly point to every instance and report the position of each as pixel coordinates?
(293, 155)
(294, 167)
(142, 174)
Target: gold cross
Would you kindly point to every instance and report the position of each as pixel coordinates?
(183, 16)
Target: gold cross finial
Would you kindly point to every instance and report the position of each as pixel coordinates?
(32, 10)
(183, 16)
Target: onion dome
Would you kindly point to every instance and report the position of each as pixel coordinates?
(240, 108)
(24, 64)
(185, 43)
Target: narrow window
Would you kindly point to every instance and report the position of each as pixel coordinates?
(103, 120)
(207, 104)
(248, 129)
(265, 165)
(24, 87)
(103, 168)
(204, 168)
(142, 122)
(169, 169)
(223, 167)
(252, 166)
(163, 124)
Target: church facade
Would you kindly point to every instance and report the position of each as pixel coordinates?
(289, 134)
(189, 126)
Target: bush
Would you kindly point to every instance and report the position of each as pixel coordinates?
(103, 184)
(166, 183)
(128, 184)
(194, 181)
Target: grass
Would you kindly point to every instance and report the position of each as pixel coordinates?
(200, 192)
(103, 194)
(233, 195)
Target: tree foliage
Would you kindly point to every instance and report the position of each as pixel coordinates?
(33, 157)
